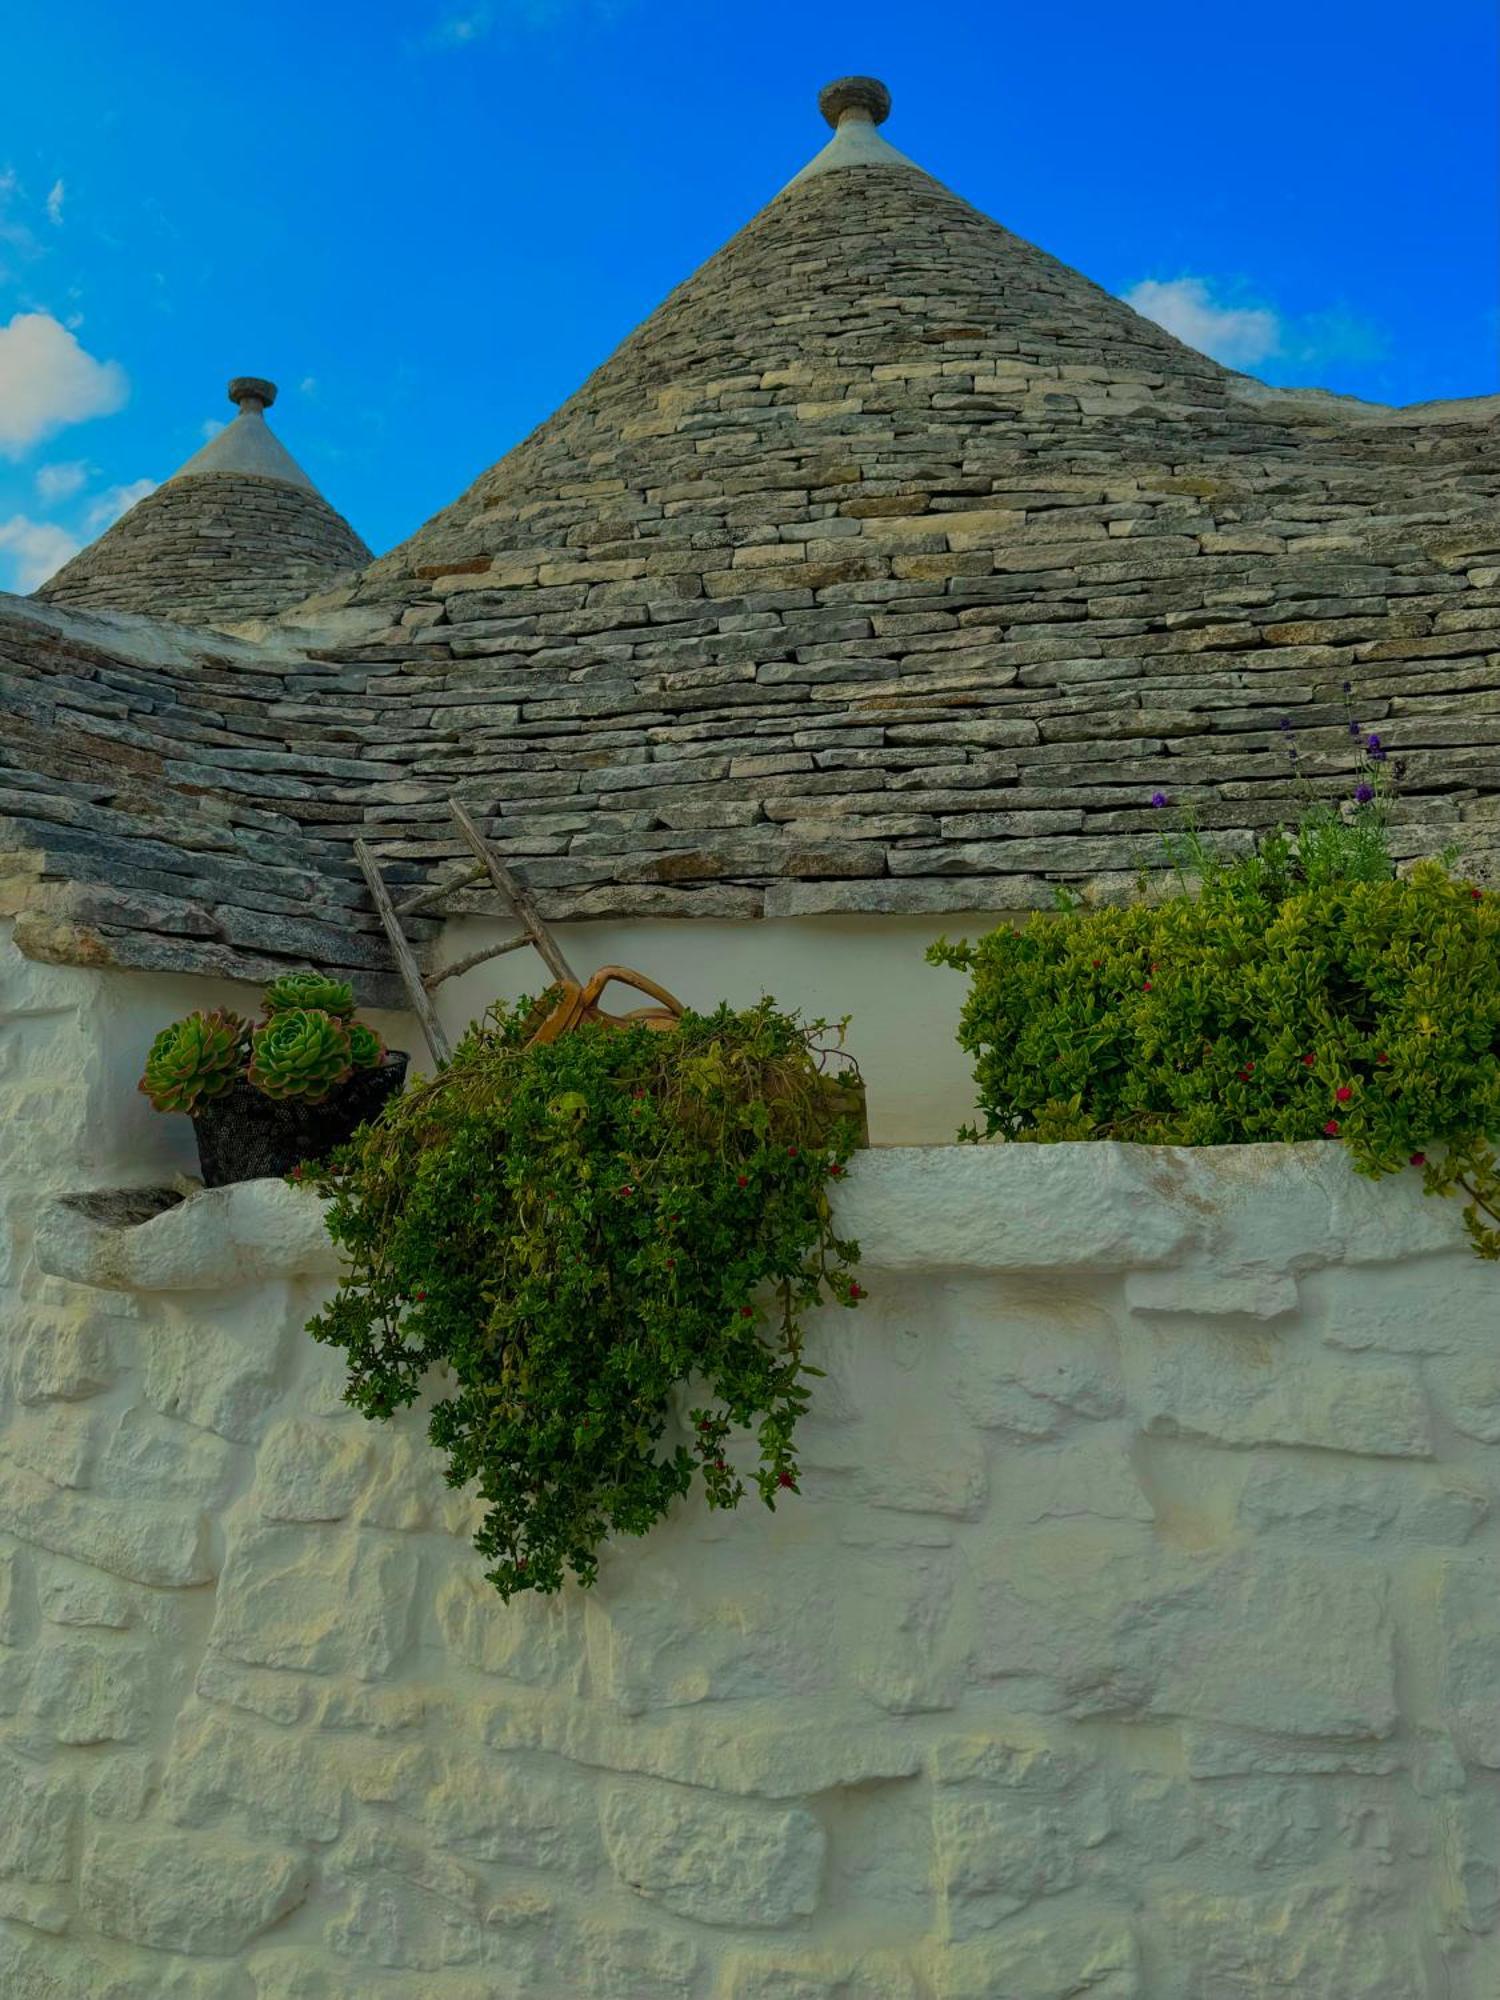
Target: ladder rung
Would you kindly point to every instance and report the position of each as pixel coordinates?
(425, 898)
(474, 958)
(419, 985)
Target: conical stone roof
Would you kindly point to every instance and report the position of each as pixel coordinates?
(238, 532)
(891, 566)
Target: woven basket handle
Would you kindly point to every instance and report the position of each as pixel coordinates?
(608, 973)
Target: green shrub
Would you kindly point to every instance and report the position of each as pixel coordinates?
(1302, 993)
(572, 1230)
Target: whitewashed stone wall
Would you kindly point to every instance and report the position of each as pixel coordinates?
(1136, 1635)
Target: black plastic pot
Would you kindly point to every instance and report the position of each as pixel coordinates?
(246, 1136)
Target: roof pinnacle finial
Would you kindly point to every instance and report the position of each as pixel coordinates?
(855, 97)
(252, 393)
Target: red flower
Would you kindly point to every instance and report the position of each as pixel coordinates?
(718, 1465)
(1382, 1057)
(857, 1290)
(784, 1479)
(791, 1152)
(743, 1181)
(1146, 986)
(671, 1263)
(419, 1295)
(835, 1170)
(1476, 895)
(1419, 1159)
(1343, 1093)
(747, 1312)
(1097, 963)
(1309, 1060)
(1332, 1128)
(625, 1187)
(1247, 1072)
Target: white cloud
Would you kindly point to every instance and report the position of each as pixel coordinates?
(458, 31)
(113, 502)
(37, 549)
(212, 426)
(465, 26)
(61, 481)
(1236, 335)
(55, 201)
(1243, 335)
(309, 385)
(48, 380)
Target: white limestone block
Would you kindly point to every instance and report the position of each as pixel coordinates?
(717, 1860)
(200, 1894)
(317, 1600)
(212, 1241)
(1011, 1208)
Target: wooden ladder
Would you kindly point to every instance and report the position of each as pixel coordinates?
(487, 865)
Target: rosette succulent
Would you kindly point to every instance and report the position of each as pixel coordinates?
(366, 1049)
(309, 989)
(195, 1059)
(301, 1052)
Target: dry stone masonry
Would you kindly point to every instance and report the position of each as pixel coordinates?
(240, 531)
(1135, 1633)
(889, 566)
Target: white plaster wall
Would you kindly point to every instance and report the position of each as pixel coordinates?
(904, 1011)
(1136, 1633)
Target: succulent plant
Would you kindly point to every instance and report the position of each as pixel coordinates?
(366, 1049)
(195, 1059)
(309, 989)
(302, 1052)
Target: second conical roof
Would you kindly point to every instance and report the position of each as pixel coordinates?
(238, 532)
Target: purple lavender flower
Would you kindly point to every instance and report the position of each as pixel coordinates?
(1160, 799)
(1285, 722)
(1354, 729)
(1375, 749)
(1363, 794)
(1348, 687)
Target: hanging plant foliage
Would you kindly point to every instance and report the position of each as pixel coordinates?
(571, 1230)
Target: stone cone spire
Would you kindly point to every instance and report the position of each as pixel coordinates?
(868, 319)
(238, 532)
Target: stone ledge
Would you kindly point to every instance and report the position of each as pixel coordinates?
(1242, 1215)
(211, 1242)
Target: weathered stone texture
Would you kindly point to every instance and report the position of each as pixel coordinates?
(210, 549)
(1133, 1634)
(890, 565)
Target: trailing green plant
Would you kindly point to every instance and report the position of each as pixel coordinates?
(306, 1044)
(571, 1231)
(195, 1060)
(301, 1052)
(309, 989)
(1298, 992)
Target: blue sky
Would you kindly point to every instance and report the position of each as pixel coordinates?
(429, 220)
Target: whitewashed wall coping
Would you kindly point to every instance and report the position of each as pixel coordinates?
(213, 1241)
(1257, 1214)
